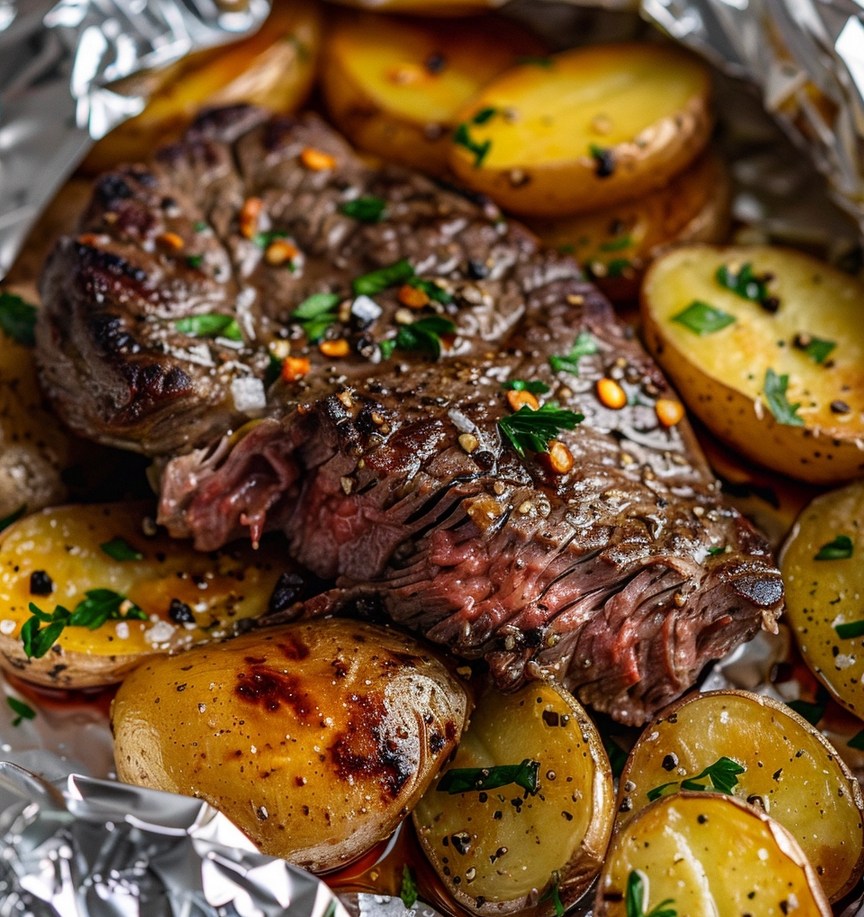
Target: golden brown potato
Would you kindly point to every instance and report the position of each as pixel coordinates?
(616, 244)
(131, 595)
(525, 809)
(761, 751)
(315, 739)
(394, 85)
(703, 854)
(766, 347)
(824, 577)
(274, 68)
(597, 125)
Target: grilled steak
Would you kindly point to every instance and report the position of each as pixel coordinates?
(597, 551)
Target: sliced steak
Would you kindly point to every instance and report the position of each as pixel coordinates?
(380, 451)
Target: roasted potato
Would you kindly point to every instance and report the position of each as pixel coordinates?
(824, 577)
(766, 347)
(274, 68)
(130, 595)
(594, 126)
(614, 245)
(394, 86)
(538, 836)
(315, 739)
(761, 751)
(703, 855)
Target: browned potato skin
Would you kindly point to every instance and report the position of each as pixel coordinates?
(316, 738)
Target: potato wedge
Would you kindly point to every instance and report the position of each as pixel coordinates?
(394, 86)
(616, 244)
(274, 68)
(780, 376)
(315, 739)
(824, 577)
(55, 557)
(506, 848)
(704, 854)
(598, 125)
(785, 766)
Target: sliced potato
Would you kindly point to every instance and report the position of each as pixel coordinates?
(598, 125)
(779, 376)
(273, 68)
(315, 739)
(506, 848)
(615, 245)
(55, 557)
(394, 86)
(787, 768)
(703, 855)
(824, 577)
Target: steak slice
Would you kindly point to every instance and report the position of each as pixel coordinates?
(379, 451)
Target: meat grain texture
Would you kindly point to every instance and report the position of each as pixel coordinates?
(384, 462)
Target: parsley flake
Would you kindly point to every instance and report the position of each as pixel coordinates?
(857, 741)
(462, 136)
(774, 390)
(840, 548)
(553, 894)
(474, 779)
(747, 285)
(808, 710)
(424, 334)
(702, 318)
(583, 346)
(849, 630)
(210, 325)
(818, 349)
(376, 281)
(722, 776)
(17, 318)
(535, 386)
(408, 891)
(21, 710)
(635, 895)
(120, 549)
(366, 209)
(315, 314)
(531, 431)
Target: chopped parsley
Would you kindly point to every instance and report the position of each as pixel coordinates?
(838, 549)
(604, 160)
(200, 226)
(553, 894)
(194, 261)
(97, 607)
(722, 776)
(716, 549)
(583, 346)
(616, 245)
(535, 386)
(808, 710)
(21, 710)
(120, 549)
(857, 741)
(315, 314)
(435, 292)
(484, 115)
(531, 431)
(376, 281)
(849, 630)
(635, 903)
(408, 890)
(474, 779)
(424, 334)
(616, 754)
(818, 349)
(210, 325)
(774, 390)
(747, 285)
(266, 239)
(17, 318)
(366, 209)
(462, 136)
(702, 318)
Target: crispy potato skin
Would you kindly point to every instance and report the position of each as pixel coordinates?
(316, 739)
(600, 125)
(722, 375)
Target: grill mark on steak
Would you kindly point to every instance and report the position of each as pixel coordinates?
(601, 576)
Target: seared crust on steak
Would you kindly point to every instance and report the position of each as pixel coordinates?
(384, 463)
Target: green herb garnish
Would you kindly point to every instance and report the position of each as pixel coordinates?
(774, 390)
(857, 741)
(194, 261)
(267, 238)
(424, 334)
(535, 386)
(484, 115)
(634, 899)
(473, 779)
(722, 775)
(583, 346)
(818, 349)
(316, 314)
(21, 710)
(604, 159)
(702, 318)
(210, 325)
(462, 137)
(553, 894)
(6, 521)
(408, 891)
(849, 630)
(200, 226)
(435, 292)
(375, 281)
(616, 754)
(616, 245)
(18, 318)
(97, 607)
(365, 209)
(745, 283)
(531, 431)
(810, 711)
(838, 549)
(120, 549)
(617, 267)
(716, 549)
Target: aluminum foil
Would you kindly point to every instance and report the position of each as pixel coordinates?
(57, 63)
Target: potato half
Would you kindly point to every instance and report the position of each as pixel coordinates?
(784, 766)
(57, 556)
(766, 346)
(824, 577)
(394, 86)
(594, 126)
(316, 738)
(703, 855)
(514, 844)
